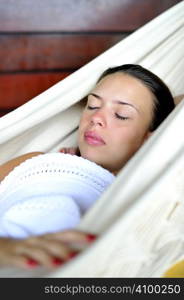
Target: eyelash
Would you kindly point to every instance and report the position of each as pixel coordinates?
(121, 117)
(91, 107)
(117, 116)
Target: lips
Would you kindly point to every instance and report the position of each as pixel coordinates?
(93, 138)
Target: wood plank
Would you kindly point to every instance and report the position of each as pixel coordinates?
(80, 15)
(4, 112)
(16, 89)
(52, 51)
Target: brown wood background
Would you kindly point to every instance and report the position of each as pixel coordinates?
(41, 42)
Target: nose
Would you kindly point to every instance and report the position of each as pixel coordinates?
(98, 119)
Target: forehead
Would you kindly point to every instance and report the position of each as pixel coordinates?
(123, 87)
(123, 83)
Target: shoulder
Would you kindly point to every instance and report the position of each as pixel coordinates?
(8, 166)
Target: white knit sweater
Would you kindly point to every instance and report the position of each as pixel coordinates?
(48, 193)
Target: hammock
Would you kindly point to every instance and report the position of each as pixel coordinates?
(139, 218)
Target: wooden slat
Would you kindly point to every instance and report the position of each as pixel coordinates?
(79, 15)
(16, 89)
(4, 112)
(52, 51)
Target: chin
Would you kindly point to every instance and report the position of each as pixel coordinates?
(91, 155)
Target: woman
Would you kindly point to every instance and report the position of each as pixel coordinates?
(127, 104)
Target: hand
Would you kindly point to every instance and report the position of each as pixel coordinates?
(71, 150)
(49, 250)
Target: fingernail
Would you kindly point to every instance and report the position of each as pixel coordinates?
(32, 263)
(91, 237)
(57, 261)
(72, 254)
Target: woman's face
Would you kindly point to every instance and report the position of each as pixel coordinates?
(115, 121)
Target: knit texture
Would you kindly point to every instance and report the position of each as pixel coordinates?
(49, 192)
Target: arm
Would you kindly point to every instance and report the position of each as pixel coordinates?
(7, 167)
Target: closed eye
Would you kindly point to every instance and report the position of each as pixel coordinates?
(121, 117)
(92, 107)
(117, 115)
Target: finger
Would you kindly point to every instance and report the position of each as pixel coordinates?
(20, 249)
(72, 150)
(63, 245)
(52, 251)
(30, 259)
(9, 256)
(15, 261)
(75, 239)
(62, 150)
(39, 255)
(71, 236)
(44, 251)
(32, 252)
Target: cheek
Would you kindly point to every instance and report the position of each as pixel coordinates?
(126, 137)
(85, 118)
(82, 123)
(120, 134)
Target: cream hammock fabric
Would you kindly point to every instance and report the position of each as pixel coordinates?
(139, 219)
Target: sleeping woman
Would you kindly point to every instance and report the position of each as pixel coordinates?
(43, 196)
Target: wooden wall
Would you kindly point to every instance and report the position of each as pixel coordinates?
(43, 41)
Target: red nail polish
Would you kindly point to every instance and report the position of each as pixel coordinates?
(31, 262)
(91, 237)
(57, 261)
(72, 254)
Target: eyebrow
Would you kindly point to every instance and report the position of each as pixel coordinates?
(115, 101)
